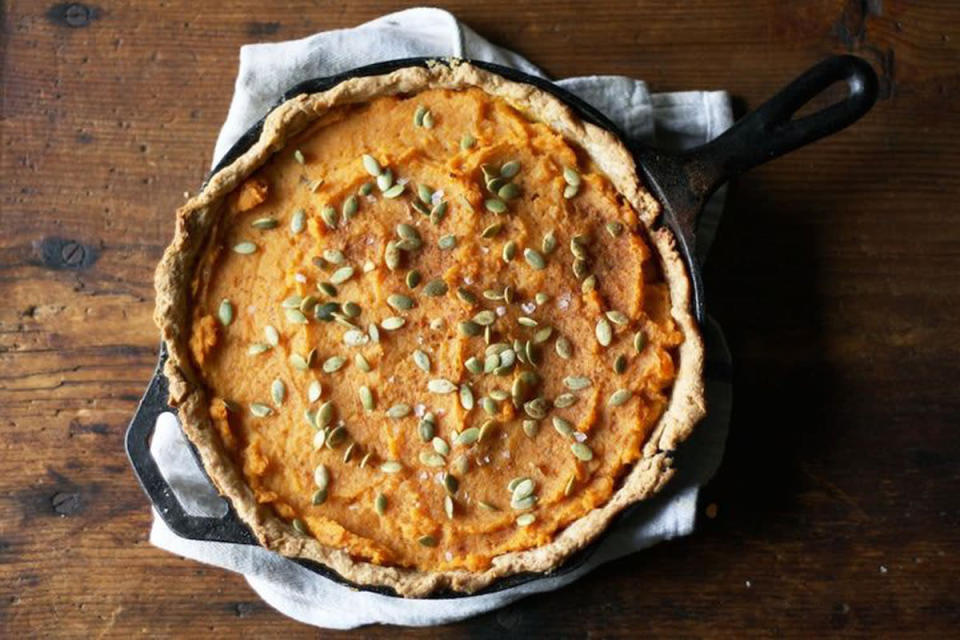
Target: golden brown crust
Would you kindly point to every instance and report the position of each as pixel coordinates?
(196, 218)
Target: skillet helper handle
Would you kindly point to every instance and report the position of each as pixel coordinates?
(229, 528)
(771, 130)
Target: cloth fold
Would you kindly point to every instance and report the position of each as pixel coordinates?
(671, 121)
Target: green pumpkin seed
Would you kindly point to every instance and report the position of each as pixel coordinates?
(564, 400)
(549, 242)
(491, 230)
(468, 436)
(450, 483)
(638, 341)
(319, 497)
(440, 446)
(604, 332)
(589, 284)
(582, 451)
(425, 193)
(466, 296)
(542, 335)
(563, 427)
(394, 192)
(467, 141)
(447, 242)
(365, 189)
(314, 391)
(325, 414)
(426, 429)
(308, 303)
(264, 223)
(619, 397)
(380, 504)
(495, 205)
(534, 259)
(329, 216)
(342, 274)
(295, 316)
(300, 527)
(400, 302)
(510, 169)
(366, 457)
(431, 459)
(485, 318)
(225, 312)
(371, 165)
(460, 465)
(614, 228)
(509, 250)
(466, 397)
(336, 437)
(473, 365)
(570, 176)
(531, 428)
(351, 309)
(568, 488)
(495, 184)
(399, 411)
(362, 363)
(508, 191)
(260, 410)
(576, 383)
(319, 438)
(333, 364)
(488, 506)
(486, 429)
(272, 335)
(350, 207)
(570, 191)
(298, 221)
(422, 360)
(385, 180)
(327, 288)
(321, 476)
(428, 120)
(581, 269)
(438, 211)
(366, 398)
(427, 541)
(620, 364)
(374, 333)
(524, 503)
(536, 408)
(469, 328)
(617, 317)
(244, 248)
(391, 256)
(391, 466)
(434, 288)
(278, 391)
(441, 386)
(525, 519)
(418, 116)
(522, 487)
(413, 278)
(298, 362)
(393, 323)
(349, 452)
(526, 321)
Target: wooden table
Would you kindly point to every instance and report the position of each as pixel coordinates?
(836, 274)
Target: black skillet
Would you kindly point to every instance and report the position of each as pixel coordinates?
(681, 182)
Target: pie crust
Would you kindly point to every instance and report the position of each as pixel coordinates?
(196, 218)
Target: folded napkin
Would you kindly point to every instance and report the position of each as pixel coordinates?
(670, 121)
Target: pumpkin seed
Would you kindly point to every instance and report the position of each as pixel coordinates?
(620, 364)
(350, 207)
(395, 191)
(524, 503)
(495, 184)
(589, 284)
(563, 427)
(380, 504)
(351, 309)
(319, 497)
(526, 321)
(391, 256)
(488, 506)
(531, 428)
(321, 476)
(313, 185)
(425, 193)
(365, 189)
(450, 483)
(436, 287)
(491, 230)
(314, 391)
(260, 410)
(485, 429)
(298, 362)
(570, 191)
(468, 436)
(428, 120)
(638, 341)
(485, 318)
(431, 459)
(447, 242)
(534, 259)
(334, 363)
(413, 278)
(440, 446)
(422, 360)
(604, 332)
(342, 274)
(525, 519)
(393, 323)
(300, 527)
(549, 242)
(564, 400)
(508, 191)
(522, 488)
(495, 205)
(308, 303)
(510, 169)
(614, 228)
(400, 302)
(576, 383)
(319, 439)
(426, 429)
(385, 180)
(329, 216)
(327, 288)
(373, 332)
(225, 312)
(398, 411)
(278, 391)
(418, 116)
(366, 398)
(536, 408)
(272, 335)
(509, 250)
(264, 223)
(582, 451)
(349, 452)
(427, 541)
(466, 397)
(570, 176)
(298, 221)
(581, 268)
(617, 317)
(244, 248)
(336, 437)
(469, 328)
(460, 465)
(441, 386)
(362, 363)
(466, 296)
(325, 414)
(488, 405)
(439, 210)
(366, 457)
(473, 365)
(619, 397)
(568, 488)
(542, 335)
(371, 165)
(391, 466)
(467, 141)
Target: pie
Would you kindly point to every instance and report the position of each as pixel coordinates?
(425, 333)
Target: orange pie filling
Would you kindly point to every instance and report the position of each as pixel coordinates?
(432, 331)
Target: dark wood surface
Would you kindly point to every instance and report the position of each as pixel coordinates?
(836, 274)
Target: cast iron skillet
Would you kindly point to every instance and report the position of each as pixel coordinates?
(681, 182)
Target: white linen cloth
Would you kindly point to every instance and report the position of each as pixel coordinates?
(670, 121)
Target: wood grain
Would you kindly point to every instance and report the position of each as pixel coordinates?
(836, 274)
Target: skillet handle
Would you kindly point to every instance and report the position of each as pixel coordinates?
(688, 179)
